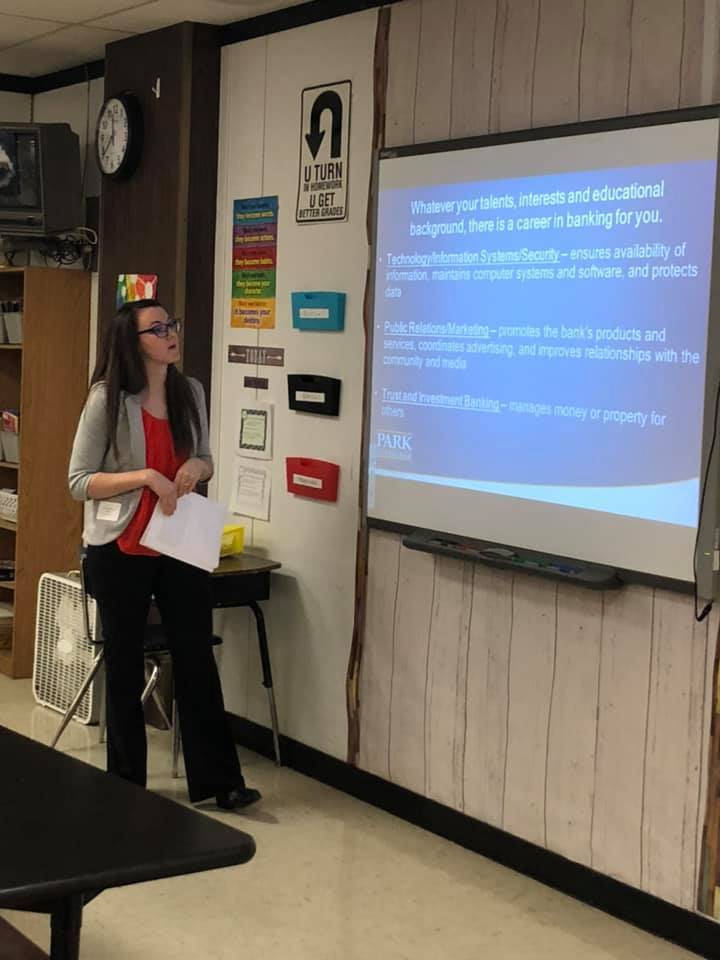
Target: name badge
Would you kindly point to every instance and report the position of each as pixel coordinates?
(108, 510)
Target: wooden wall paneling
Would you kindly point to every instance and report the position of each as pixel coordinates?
(556, 86)
(352, 687)
(657, 45)
(709, 877)
(196, 253)
(162, 219)
(673, 744)
(141, 217)
(691, 65)
(708, 774)
(487, 694)
(711, 51)
(410, 669)
(435, 66)
(605, 59)
(532, 662)
(446, 682)
(403, 53)
(622, 719)
(707, 706)
(472, 57)
(557, 746)
(375, 673)
(516, 33)
(573, 724)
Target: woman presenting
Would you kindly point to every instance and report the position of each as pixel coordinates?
(143, 438)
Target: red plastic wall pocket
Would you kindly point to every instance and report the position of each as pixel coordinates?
(317, 479)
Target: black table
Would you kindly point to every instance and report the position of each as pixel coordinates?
(69, 831)
(244, 581)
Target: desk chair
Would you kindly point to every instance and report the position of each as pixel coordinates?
(155, 645)
(225, 594)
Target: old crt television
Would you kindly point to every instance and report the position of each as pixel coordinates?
(40, 188)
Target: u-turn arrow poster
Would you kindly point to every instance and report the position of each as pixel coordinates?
(324, 153)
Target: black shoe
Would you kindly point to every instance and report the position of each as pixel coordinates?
(237, 797)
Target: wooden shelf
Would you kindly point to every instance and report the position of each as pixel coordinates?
(48, 371)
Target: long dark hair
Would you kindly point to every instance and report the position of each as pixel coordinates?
(120, 366)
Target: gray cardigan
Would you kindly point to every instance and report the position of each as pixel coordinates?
(92, 453)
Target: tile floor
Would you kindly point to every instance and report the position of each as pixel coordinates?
(333, 879)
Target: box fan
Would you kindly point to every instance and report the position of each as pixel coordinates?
(64, 651)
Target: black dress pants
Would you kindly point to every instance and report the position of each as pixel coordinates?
(123, 587)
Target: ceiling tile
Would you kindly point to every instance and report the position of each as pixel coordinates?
(68, 11)
(163, 13)
(19, 29)
(67, 47)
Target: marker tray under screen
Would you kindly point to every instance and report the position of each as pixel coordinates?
(593, 576)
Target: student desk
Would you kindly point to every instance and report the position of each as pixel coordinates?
(69, 831)
(244, 581)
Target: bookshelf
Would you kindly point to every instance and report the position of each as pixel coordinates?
(45, 378)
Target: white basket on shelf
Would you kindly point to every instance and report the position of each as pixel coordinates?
(10, 446)
(8, 505)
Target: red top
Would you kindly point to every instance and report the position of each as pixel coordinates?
(159, 455)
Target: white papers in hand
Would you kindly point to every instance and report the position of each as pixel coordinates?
(192, 534)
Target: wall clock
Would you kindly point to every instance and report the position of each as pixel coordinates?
(118, 136)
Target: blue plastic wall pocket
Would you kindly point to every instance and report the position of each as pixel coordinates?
(318, 311)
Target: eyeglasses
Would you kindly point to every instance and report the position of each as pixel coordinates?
(163, 330)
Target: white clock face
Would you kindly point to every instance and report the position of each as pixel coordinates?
(113, 135)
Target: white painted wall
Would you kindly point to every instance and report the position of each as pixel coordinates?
(77, 105)
(15, 107)
(310, 615)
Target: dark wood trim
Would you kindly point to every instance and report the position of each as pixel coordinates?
(198, 278)
(288, 19)
(68, 78)
(693, 931)
(291, 17)
(12, 83)
(352, 681)
(710, 862)
(162, 219)
(16, 945)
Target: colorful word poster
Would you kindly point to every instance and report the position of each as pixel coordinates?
(135, 286)
(254, 263)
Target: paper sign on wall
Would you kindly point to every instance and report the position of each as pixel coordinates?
(131, 287)
(254, 435)
(251, 488)
(324, 153)
(254, 263)
(256, 356)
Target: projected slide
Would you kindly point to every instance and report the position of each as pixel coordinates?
(544, 336)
